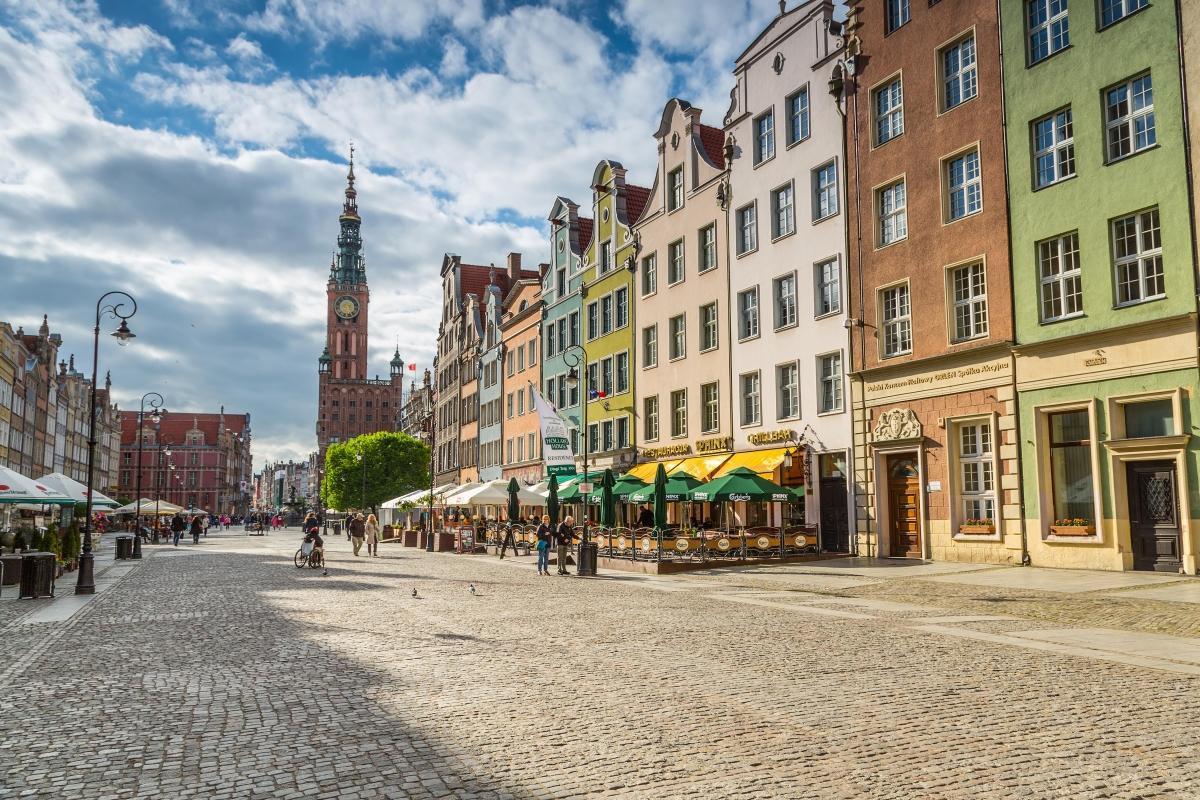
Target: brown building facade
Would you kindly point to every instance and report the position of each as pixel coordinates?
(520, 331)
(933, 398)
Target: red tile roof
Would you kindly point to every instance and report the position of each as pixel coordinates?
(635, 201)
(475, 279)
(174, 427)
(585, 231)
(713, 140)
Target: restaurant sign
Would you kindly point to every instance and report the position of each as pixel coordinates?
(717, 444)
(670, 451)
(772, 437)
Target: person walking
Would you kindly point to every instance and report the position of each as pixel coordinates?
(564, 537)
(178, 526)
(372, 529)
(645, 517)
(197, 528)
(358, 530)
(544, 534)
(204, 524)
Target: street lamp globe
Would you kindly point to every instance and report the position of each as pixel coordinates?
(123, 334)
(572, 377)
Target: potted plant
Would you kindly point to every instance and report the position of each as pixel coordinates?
(977, 526)
(1077, 526)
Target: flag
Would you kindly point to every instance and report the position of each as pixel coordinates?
(556, 444)
(412, 367)
(596, 394)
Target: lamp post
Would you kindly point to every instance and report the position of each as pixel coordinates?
(430, 421)
(362, 465)
(156, 401)
(163, 450)
(577, 364)
(86, 583)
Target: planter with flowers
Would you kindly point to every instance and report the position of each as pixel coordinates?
(1073, 527)
(977, 526)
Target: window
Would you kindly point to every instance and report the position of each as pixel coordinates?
(678, 342)
(897, 14)
(764, 137)
(1129, 117)
(748, 313)
(1071, 477)
(1048, 30)
(622, 368)
(797, 116)
(959, 82)
(708, 327)
(675, 189)
(593, 322)
(970, 302)
(893, 214)
(825, 191)
(622, 424)
(679, 413)
(593, 382)
(606, 314)
(649, 274)
(650, 346)
(889, 111)
(829, 376)
(785, 301)
(573, 328)
(710, 419)
(650, 417)
(1149, 418)
(520, 448)
(606, 376)
(787, 382)
(593, 438)
(751, 398)
(1116, 10)
(975, 468)
(520, 360)
(828, 293)
(747, 227)
(966, 185)
(606, 256)
(621, 301)
(607, 427)
(783, 215)
(560, 282)
(1137, 248)
(509, 405)
(1053, 148)
(532, 360)
(1061, 278)
(562, 330)
(520, 404)
(897, 324)
(708, 247)
(674, 262)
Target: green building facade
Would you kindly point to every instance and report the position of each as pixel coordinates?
(1104, 284)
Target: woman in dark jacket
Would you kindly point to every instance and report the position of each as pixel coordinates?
(197, 529)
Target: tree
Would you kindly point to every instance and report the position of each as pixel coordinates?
(392, 464)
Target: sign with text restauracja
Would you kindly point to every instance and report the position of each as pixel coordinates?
(669, 451)
(772, 437)
(556, 443)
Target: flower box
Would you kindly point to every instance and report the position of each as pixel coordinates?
(976, 530)
(1073, 530)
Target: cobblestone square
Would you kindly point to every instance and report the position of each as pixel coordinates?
(222, 671)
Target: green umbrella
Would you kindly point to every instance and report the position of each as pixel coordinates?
(571, 493)
(514, 506)
(552, 500)
(608, 503)
(742, 484)
(676, 487)
(626, 484)
(660, 497)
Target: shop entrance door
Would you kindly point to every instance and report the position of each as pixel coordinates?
(835, 518)
(1153, 515)
(904, 512)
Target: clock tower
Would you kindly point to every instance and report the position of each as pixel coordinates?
(350, 403)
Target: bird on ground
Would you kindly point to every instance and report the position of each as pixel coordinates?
(414, 594)
(471, 588)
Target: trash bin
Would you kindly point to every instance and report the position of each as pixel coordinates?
(337, 529)
(37, 575)
(12, 569)
(587, 558)
(125, 546)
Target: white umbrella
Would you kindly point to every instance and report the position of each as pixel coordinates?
(16, 488)
(450, 497)
(165, 509)
(75, 490)
(495, 493)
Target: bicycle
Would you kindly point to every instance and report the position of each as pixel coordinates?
(310, 556)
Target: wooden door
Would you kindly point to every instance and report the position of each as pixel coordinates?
(1153, 515)
(835, 519)
(904, 506)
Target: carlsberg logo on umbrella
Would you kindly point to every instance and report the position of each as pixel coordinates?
(556, 444)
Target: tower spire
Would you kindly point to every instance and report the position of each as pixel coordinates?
(348, 266)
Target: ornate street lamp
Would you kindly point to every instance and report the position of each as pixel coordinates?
(86, 583)
(156, 415)
(577, 365)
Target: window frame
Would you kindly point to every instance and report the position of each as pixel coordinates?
(987, 457)
(943, 79)
(949, 187)
(890, 24)
(705, 248)
(815, 175)
(777, 231)
(715, 403)
(649, 274)
(757, 395)
(1059, 277)
(877, 91)
(650, 415)
(757, 313)
(805, 116)
(682, 393)
(671, 251)
(652, 330)
(794, 366)
(970, 303)
(899, 213)
(1048, 27)
(759, 157)
(1101, 25)
(1129, 119)
(777, 296)
(738, 218)
(840, 383)
(1141, 255)
(675, 192)
(672, 337)
(819, 284)
(902, 319)
(714, 325)
(1058, 145)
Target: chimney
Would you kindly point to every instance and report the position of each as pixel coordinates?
(514, 268)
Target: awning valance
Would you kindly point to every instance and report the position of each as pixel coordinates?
(645, 472)
(763, 462)
(699, 467)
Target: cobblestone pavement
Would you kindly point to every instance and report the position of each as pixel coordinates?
(221, 671)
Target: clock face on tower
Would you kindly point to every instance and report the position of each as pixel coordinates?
(346, 307)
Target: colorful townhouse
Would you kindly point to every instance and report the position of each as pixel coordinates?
(1104, 276)
(787, 292)
(934, 403)
(606, 295)
(682, 390)
(491, 388)
(521, 333)
(562, 314)
(469, 358)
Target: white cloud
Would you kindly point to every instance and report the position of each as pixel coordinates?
(454, 59)
(245, 49)
(348, 20)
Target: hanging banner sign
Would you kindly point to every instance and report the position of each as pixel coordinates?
(556, 442)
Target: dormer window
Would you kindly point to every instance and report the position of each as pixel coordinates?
(675, 189)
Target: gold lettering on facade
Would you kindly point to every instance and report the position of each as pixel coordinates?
(945, 376)
(1098, 360)
(717, 444)
(771, 437)
(652, 453)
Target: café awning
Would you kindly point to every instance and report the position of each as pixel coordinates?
(645, 472)
(700, 467)
(763, 462)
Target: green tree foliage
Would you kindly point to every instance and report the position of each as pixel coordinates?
(393, 463)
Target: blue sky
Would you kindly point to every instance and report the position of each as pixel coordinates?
(192, 152)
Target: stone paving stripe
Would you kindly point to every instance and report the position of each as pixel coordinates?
(1070, 581)
(1187, 591)
(803, 609)
(1153, 645)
